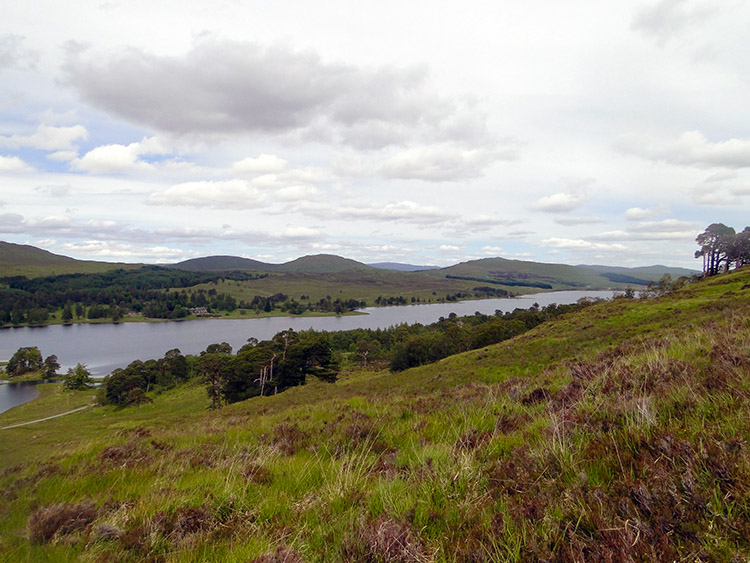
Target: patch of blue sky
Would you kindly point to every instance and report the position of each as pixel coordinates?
(38, 159)
(103, 130)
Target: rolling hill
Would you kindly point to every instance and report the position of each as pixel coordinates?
(323, 264)
(30, 261)
(513, 275)
(222, 263)
(314, 264)
(522, 274)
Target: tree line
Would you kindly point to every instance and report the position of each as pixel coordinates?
(288, 359)
(152, 291)
(28, 360)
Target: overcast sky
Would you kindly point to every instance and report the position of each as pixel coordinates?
(422, 132)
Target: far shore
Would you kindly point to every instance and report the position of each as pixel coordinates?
(142, 319)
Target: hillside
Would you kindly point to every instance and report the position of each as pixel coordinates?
(30, 261)
(400, 267)
(520, 274)
(222, 263)
(618, 433)
(322, 264)
(647, 273)
(316, 264)
(516, 275)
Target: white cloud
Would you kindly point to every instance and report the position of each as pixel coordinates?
(640, 214)
(12, 223)
(403, 211)
(300, 232)
(99, 249)
(13, 54)
(663, 226)
(579, 244)
(483, 222)
(721, 189)
(664, 230)
(692, 148)
(120, 158)
(442, 163)
(296, 193)
(562, 202)
(48, 138)
(63, 156)
(670, 19)
(54, 191)
(492, 250)
(223, 194)
(449, 248)
(13, 164)
(263, 164)
(575, 221)
(243, 87)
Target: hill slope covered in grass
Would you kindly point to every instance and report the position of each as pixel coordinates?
(30, 261)
(618, 433)
(520, 274)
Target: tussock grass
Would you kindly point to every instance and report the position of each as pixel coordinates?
(621, 433)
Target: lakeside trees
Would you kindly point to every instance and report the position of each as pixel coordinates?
(28, 359)
(151, 375)
(151, 291)
(24, 360)
(721, 247)
(289, 358)
(78, 378)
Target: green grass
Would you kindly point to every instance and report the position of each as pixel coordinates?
(360, 285)
(617, 432)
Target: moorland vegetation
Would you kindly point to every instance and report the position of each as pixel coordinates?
(618, 432)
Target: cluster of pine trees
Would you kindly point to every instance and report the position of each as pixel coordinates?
(721, 248)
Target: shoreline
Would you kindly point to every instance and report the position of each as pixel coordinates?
(280, 314)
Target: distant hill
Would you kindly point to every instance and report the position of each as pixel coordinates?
(30, 261)
(223, 263)
(315, 264)
(649, 273)
(518, 273)
(399, 267)
(322, 264)
(25, 255)
(25, 260)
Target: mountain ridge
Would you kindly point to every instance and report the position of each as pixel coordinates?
(15, 259)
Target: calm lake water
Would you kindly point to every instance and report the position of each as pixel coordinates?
(104, 347)
(12, 394)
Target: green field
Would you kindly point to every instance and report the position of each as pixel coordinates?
(353, 284)
(617, 433)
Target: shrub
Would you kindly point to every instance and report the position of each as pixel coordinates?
(60, 519)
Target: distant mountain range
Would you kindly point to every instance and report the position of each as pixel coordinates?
(31, 261)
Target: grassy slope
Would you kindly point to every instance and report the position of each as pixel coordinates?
(619, 432)
(559, 276)
(211, 263)
(367, 285)
(29, 261)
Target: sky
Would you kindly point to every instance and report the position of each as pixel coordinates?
(578, 132)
